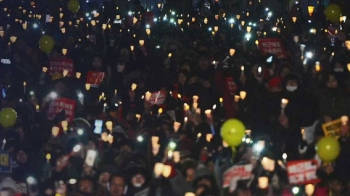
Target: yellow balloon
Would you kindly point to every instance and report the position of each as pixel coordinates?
(232, 132)
(46, 43)
(8, 117)
(333, 13)
(328, 149)
(73, 6)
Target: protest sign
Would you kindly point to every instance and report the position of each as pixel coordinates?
(59, 104)
(272, 46)
(157, 98)
(5, 162)
(21, 188)
(236, 173)
(302, 172)
(95, 78)
(59, 65)
(332, 129)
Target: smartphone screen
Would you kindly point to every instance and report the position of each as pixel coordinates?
(90, 157)
(3, 92)
(98, 126)
(6, 61)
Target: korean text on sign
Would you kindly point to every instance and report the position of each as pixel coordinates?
(333, 128)
(60, 104)
(302, 172)
(271, 46)
(237, 172)
(95, 78)
(158, 98)
(5, 163)
(59, 65)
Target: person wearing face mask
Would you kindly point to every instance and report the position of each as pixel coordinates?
(138, 181)
(299, 112)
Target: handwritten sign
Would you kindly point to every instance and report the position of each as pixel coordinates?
(332, 129)
(272, 46)
(302, 172)
(231, 86)
(236, 173)
(59, 65)
(60, 104)
(95, 78)
(158, 98)
(5, 163)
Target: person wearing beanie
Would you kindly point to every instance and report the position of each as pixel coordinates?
(8, 185)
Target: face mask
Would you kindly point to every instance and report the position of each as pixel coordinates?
(137, 185)
(338, 70)
(120, 67)
(291, 88)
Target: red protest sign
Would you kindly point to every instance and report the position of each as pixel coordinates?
(272, 46)
(302, 172)
(237, 172)
(158, 98)
(59, 65)
(59, 104)
(231, 86)
(95, 78)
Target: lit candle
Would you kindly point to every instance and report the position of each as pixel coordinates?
(221, 100)
(138, 117)
(208, 137)
(3, 144)
(284, 103)
(176, 126)
(104, 107)
(87, 86)
(24, 87)
(195, 99)
(109, 125)
(243, 94)
(160, 111)
(48, 157)
(158, 169)
(344, 120)
(54, 131)
(64, 125)
(148, 96)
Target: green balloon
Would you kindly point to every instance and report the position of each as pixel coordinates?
(333, 13)
(328, 149)
(232, 132)
(46, 43)
(73, 6)
(8, 117)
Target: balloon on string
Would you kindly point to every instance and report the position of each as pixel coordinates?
(73, 6)
(232, 132)
(8, 117)
(46, 43)
(333, 13)
(328, 149)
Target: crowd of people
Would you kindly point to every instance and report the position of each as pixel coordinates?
(131, 102)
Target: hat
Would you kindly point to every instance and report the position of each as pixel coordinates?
(8, 183)
(275, 82)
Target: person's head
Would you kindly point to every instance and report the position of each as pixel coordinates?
(274, 85)
(182, 77)
(117, 185)
(8, 186)
(204, 60)
(138, 180)
(338, 67)
(22, 156)
(337, 186)
(186, 65)
(97, 63)
(60, 86)
(86, 186)
(284, 71)
(292, 82)
(331, 82)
